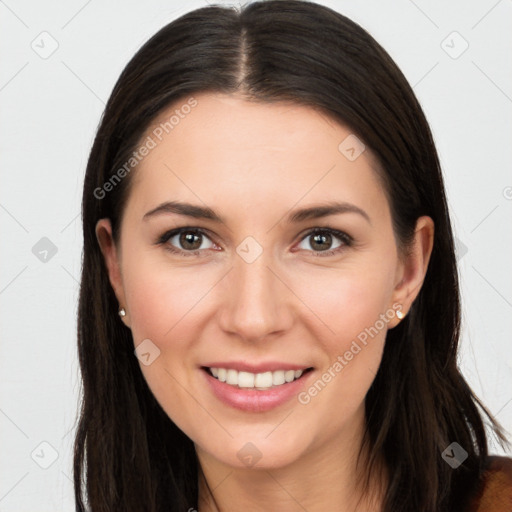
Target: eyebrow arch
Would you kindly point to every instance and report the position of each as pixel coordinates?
(296, 216)
(324, 210)
(187, 209)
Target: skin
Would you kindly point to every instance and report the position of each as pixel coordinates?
(253, 163)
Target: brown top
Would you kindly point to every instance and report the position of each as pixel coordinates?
(495, 491)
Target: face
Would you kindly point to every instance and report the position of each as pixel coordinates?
(264, 295)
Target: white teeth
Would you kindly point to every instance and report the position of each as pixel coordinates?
(232, 377)
(289, 375)
(278, 378)
(260, 381)
(245, 379)
(263, 380)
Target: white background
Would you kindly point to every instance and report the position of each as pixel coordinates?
(50, 110)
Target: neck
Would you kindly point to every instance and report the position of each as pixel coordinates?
(328, 477)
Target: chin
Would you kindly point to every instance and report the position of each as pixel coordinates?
(259, 451)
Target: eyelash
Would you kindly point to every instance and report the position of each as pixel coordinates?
(346, 239)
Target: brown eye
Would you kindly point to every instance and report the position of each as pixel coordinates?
(320, 241)
(189, 240)
(185, 241)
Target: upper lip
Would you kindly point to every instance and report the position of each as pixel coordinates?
(268, 366)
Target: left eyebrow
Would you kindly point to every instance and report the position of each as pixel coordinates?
(295, 216)
(324, 210)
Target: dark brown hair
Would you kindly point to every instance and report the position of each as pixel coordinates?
(129, 455)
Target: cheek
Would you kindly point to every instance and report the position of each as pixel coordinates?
(159, 298)
(354, 306)
(347, 302)
(162, 302)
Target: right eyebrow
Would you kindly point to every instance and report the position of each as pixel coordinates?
(187, 209)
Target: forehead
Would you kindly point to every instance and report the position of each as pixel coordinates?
(224, 147)
(236, 126)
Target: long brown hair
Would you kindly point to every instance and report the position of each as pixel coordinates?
(129, 455)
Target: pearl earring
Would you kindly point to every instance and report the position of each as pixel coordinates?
(122, 312)
(400, 315)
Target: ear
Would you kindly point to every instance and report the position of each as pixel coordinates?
(112, 261)
(413, 268)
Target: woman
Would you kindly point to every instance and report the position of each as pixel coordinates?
(269, 308)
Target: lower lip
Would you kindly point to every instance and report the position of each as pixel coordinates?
(252, 400)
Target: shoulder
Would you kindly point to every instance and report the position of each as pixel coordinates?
(495, 491)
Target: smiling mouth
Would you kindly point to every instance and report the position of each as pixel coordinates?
(259, 381)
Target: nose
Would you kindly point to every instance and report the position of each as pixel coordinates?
(257, 305)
